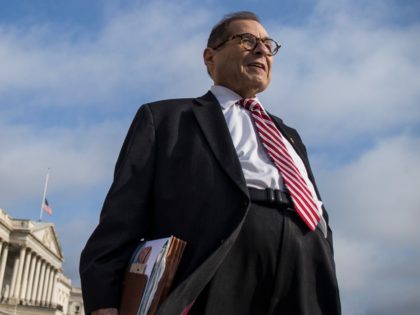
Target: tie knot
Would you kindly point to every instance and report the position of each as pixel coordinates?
(250, 104)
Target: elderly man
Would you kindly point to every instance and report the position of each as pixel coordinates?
(231, 180)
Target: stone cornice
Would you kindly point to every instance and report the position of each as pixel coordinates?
(23, 235)
(6, 225)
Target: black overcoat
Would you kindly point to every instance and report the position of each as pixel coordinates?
(177, 174)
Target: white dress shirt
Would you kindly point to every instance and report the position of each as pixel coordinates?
(258, 169)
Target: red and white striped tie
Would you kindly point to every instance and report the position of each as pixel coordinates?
(274, 143)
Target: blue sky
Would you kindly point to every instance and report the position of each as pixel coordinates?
(73, 73)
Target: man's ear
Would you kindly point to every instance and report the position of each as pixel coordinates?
(208, 57)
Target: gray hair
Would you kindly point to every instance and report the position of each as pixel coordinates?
(220, 30)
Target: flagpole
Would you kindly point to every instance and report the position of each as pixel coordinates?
(44, 195)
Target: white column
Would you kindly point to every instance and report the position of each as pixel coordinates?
(41, 284)
(3, 264)
(16, 291)
(31, 277)
(36, 280)
(1, 284)
(16, 264)
(54, 287)
(50, 286)
(45, 287)
(28, 260)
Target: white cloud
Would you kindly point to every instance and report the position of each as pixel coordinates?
(375, 278)
(345, 75)
(138, 54)
(137, 50)
(79, 158)
(374, 204)
(73, 235)
(354, 273)
(377, 195)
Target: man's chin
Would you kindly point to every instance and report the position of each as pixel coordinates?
(258, 81)
(259, 87)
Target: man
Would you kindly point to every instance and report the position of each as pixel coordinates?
(230, 180)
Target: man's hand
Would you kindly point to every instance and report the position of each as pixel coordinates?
(106, 311)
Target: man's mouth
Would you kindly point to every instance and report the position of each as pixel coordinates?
(257, 65)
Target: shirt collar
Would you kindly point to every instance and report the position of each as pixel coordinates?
(226, 97)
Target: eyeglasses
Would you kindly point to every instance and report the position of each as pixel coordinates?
(250, 42)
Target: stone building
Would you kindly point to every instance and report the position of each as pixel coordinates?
(31, 274)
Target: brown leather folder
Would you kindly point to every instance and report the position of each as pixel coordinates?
(136, 286)
(132, 292)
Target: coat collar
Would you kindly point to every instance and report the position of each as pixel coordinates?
(210, 118)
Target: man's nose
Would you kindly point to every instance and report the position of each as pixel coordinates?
(261, 48)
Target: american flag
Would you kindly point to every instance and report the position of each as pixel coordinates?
(46, 207)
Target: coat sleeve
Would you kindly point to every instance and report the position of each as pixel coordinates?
(124, 219)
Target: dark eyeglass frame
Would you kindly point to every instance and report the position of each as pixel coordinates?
(249, 36)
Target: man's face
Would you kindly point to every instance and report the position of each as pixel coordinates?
(245, 72)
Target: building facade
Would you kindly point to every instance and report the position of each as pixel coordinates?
(31, 274)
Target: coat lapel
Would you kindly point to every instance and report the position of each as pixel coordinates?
(294, 140)
(212, 123)
(210, 118)
(292, 136)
